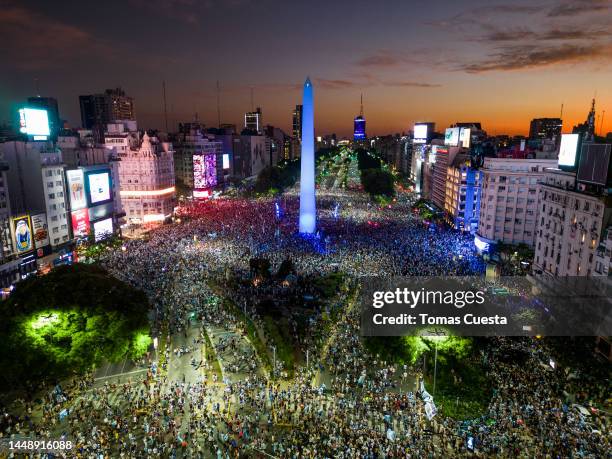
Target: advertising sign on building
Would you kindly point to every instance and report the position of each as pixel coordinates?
(568, 150)
(80, 223)
(465, 135)
(99, 187)
(451, 137)
(40, 230)
(34, 122)
(103, 229)
(76, 189)
(420, 133)
(23, 234)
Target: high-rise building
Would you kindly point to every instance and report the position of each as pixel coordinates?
(38, 194)
(49, 104)
(146, 173)
(97, 110)
(194, 143)
(253, 121)
(508, 202)
(571, 227)
(545, 128)
(576, 215)
(359, 125)
(587, 129)
(297, 122)
(462, 199)
(251, 153)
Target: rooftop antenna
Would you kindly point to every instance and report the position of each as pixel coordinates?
(603, 113)
(361, 109)
(561, 116)
(252, 103)
(218, 106)
(165, 106)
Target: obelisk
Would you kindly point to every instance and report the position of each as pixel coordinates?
(308, 207)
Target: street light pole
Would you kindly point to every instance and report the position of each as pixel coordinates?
(435, 369)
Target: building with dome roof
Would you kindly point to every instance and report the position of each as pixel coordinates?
(146, 173)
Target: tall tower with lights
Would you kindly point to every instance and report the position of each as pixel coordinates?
(359, 133)
(308, 207)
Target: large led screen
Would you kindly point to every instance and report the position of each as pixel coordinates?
(99, 187)
(568, 149)
(23, 234)
(76, 189)
(420, 133)
(451, 137)
(80, 223)
(34, 122)
(40, 231)
(103, 229)
(204, 171)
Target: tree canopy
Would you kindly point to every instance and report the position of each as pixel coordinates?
(67, 321)
(378, 182)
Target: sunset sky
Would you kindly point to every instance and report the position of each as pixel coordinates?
(501, 63)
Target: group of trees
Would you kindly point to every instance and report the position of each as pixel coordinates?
(68, 321)
(375, 180)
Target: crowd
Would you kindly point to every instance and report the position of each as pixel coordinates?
(360, 412)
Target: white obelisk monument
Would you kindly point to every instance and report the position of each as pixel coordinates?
(308, 206)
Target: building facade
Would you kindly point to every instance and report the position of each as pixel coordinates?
(97, 110)
(545, 128)
(509, 200)
(146, 174)
(571, 228)
(463, 190)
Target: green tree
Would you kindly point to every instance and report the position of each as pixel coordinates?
(378, 182)
(67, 321)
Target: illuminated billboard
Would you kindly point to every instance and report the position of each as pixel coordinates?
(204, 171)
(34, 122)
(103, 229)
(451, 137)
(226, 161)
(465, 136)
(23, 234)
(99, 186)
(420, 133)
(568, 150)
(76, 189)
(80, 223)
(40, 231)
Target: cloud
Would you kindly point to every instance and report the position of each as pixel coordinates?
(575, 7)
(334, 84)
(410, 84)
(34, 41)
(522, 33)
(473, 15)
(531, 56)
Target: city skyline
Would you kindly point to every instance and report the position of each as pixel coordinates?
(500, 64)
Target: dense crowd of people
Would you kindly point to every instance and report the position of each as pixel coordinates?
(359, 412)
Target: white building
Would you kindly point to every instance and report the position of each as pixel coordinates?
(509, 200)
(36, 180)
(146, 173)
(570, 228)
